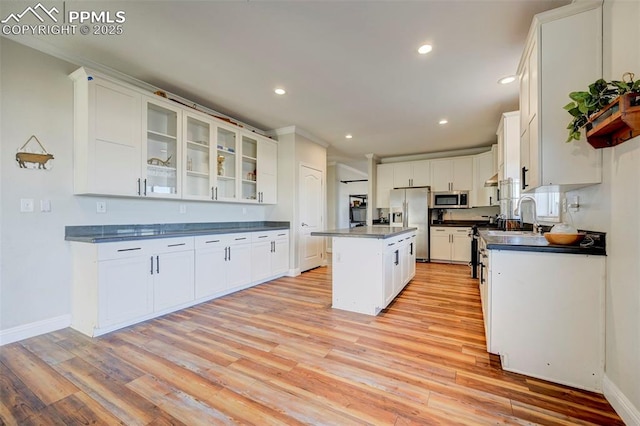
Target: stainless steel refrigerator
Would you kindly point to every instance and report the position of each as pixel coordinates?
(410, 207)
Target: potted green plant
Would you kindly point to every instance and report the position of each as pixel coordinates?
(601, 95)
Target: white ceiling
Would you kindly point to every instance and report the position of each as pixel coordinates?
(348, 67)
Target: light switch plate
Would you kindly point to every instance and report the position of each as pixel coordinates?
(45, 206)
(26, 205)
(101, 207)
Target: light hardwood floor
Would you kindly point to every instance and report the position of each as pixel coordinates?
(277, 354)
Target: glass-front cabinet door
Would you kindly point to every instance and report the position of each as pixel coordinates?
(162, 150)
(226, 183)
(249, 164)
(197, 161)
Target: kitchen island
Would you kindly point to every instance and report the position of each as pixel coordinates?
(371, 265)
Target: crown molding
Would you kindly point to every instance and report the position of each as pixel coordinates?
(298, 131)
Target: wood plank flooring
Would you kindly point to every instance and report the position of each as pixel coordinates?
(277, 354)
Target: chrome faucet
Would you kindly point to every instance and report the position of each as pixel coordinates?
(518, 212)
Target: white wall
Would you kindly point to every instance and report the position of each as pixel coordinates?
(294, 149)
(614, 207)
(35, 278)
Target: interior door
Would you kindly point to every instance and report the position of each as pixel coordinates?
(311, 210)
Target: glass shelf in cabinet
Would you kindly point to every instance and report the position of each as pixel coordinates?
(197, 174)
(198, 145)
(161, 135)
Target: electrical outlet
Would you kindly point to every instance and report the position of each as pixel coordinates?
(26, 205)
(101, 207)
(183, 208)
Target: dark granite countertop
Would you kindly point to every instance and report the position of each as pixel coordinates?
(463, 223)
(379, 232)
(527, 242)
(112, 233)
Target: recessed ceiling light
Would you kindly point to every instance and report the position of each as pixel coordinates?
(349, 136)
(443, 121)
(508, 79)
(280, 91)
(424, 49)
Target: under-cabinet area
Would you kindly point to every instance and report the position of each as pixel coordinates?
(136, 275)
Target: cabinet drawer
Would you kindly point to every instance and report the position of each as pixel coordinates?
(257, 237)
(167, 245)
(269, 235)
(123, 249)
(221, 240)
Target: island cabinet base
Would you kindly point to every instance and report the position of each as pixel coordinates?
(368, 273)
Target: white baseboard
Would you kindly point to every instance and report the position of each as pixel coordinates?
(33, 329)
(294, 272)
(625, 409)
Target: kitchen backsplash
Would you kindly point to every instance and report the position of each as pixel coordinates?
(478, 213)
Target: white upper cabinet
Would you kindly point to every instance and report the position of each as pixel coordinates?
(227, 163)
(412, 173)
(161, 149)
(198, 162)
(384, 184)
(563, 54)
(509, 146)
(128, 142)
(483, 168)
(452, 174)
(259, 169)
(107, 141)
(267, 173)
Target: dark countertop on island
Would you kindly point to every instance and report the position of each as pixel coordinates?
(537, 244)
(113, 233)
(379, 232)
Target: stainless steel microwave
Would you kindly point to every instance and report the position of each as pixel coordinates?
(450, 200)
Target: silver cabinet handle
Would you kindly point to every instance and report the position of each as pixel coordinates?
(212, 194)
(138, 186)
(229, 254)
(304, 224)
(151, 265)
(157, 264)
(145, 187)
(225, 253)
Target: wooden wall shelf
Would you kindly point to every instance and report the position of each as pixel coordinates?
(617, 123)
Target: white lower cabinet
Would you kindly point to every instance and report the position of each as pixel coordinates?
(545, 313)
(172, 273)
(392, 271)
(450, 244)
(223, 264)
(122, 283)
(126, 291)
(270, 254)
